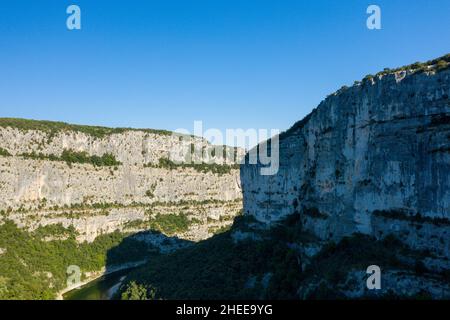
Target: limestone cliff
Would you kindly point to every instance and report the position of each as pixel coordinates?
(373, 158)
(38, 187)
(363, 184)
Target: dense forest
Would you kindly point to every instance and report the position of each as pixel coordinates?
(35, 268)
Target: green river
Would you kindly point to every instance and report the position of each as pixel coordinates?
(102, 288)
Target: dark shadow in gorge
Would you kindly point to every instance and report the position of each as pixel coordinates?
(133, 251)
(142, 246)
(229, 265)
(232, 265)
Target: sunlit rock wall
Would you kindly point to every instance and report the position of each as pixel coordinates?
(380, 146)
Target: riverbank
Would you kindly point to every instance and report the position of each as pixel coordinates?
(98, 274)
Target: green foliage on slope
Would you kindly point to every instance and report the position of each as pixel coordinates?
(54, 127)
(4, 153)
(438, 64)
(32, 268)
(269, 268)
(169, 224)
(217, 268)
(215, 168)
(136, 291)
(71, 157)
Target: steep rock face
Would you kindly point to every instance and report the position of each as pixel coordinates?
(35, 191)
(129, 146)
(373, 158)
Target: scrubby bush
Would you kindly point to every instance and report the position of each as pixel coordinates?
(71, 157)
(4, 153)
(215, 168)
(53, 128)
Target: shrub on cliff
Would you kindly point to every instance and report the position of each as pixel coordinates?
(106, 159)
(52, 128)
(215, 168)
(4, 153)
(136, 291)
(71, 157)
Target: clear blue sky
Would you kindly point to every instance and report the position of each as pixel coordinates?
(232, 64)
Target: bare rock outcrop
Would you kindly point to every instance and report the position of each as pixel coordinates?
(373, 158)
(39, 188)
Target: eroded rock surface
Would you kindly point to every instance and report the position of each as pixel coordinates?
(36, 191)
(373, 159)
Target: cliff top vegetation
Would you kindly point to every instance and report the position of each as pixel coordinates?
(55, 127)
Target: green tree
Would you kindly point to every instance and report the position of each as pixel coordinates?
(136, 291)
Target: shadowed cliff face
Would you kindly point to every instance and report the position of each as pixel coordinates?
(373, 158)
(285, 262)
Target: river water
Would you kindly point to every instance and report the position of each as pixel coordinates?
(102, 288)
